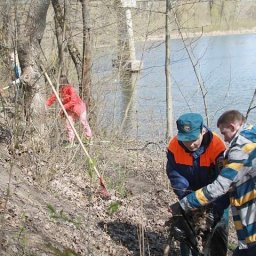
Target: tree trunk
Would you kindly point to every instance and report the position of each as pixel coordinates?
(72, 48)
(169, 108)
(4, 27)
(85, 87)
(60, 44)
(28, 46)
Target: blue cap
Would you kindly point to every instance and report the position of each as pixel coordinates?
(189, 126)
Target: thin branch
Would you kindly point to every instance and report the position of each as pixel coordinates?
(197, 73)
(250, 108)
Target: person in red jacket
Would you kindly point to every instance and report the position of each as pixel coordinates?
(75, 107)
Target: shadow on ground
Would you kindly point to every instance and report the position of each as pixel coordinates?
(131, 237)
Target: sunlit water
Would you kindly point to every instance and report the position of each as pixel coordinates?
(227, 65)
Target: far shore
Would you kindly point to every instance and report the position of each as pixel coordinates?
(189, 35)
(203, 34)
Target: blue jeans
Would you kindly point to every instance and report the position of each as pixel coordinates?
(245, 252)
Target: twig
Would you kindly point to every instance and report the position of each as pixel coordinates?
(196, 71)
(145, 146)
(250, 105)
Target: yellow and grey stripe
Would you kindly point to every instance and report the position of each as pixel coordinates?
(200, 196)
(247, 148)
(244, 199)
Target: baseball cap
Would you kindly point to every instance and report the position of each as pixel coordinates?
(189, 126)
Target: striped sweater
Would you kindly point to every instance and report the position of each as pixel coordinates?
(239, 179)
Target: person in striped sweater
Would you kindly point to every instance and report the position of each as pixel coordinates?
(237, 178)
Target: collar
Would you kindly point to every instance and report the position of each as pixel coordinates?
(233, 141)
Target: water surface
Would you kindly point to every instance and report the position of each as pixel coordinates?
(226, 65)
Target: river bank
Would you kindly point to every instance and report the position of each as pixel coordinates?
(200, 34)
(185, 36)
(55, 208)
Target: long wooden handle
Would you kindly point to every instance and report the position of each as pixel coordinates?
(72, 126)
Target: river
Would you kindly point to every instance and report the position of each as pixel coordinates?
(226, 65)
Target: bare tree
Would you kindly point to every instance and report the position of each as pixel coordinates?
(85, 87)
(195, 65)
(82, 63)
(72, 47)
(30, 35)
(4, 28)
(169, 100)
(251, 106)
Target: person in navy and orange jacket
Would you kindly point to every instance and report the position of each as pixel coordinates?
(75, 107)
(193, 160)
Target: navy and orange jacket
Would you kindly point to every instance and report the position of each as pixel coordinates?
(189, 171)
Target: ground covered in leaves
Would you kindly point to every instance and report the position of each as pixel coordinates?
(50, 200)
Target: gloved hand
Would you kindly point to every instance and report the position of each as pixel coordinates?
(175, 209)
(210, 219)
(179, 234)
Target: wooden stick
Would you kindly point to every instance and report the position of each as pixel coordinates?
(6, 87)
(72, 126)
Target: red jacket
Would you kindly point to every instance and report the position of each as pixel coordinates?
(70, 100)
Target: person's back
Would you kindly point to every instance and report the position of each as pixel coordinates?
(69, 98)
(243, 191)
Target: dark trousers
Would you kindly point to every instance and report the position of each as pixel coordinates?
(217, 244)
(245, 252)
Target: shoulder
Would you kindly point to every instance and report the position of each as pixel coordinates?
(248, 133)
(216, 145)
(68, 89)
(217, 139)
(176, 148)
(173, 143)
(237, 150)
(236, 154)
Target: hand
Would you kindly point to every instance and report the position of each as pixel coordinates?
(210, 219)
(175, 209)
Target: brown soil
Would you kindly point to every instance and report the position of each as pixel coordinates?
(51, 205)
